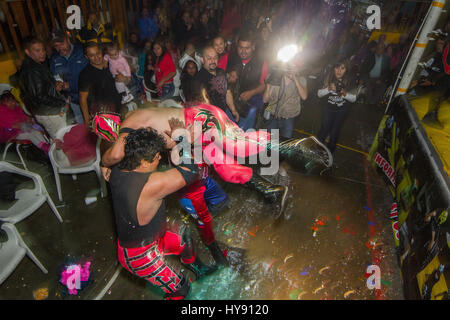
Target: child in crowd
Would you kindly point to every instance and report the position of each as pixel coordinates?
(119, 65)
(15, 124)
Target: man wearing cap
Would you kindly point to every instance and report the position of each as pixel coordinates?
(66, 64)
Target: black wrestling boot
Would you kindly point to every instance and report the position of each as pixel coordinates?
(307, 155)
(199, 268)
(217, 254)
(274, 193)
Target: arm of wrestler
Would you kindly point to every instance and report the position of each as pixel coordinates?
(159, 186)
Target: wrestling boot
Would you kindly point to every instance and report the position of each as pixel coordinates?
(274, 193)
(217, 254)
(197, 267)
(307, 155)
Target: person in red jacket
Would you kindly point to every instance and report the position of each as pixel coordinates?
(164, 70)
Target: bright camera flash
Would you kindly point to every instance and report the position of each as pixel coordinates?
(287, 52)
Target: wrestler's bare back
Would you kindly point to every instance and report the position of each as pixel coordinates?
(156, 118)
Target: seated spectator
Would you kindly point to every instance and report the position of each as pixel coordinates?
(15, 124)
(187, 78)
(148, 29)
(143, 57)
(219, 45)
(252, 74)
(66, 64)
(119, 65)
(375, 74)
(97, 86)
(39, 91)
(190, 54)
(285, 106)
(96, 31)
(165, 71)
(433, 70)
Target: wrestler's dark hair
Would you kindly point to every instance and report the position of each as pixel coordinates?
(141, 144)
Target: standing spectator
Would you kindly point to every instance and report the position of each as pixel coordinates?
(231, 20)
(39, 90)
(207, 30)
(148, 29)
(264, 45)
(67, 63)
(335, 93)
(284, 95)
(252, 73)
(190, 54)
(143, 57)
(97, 87)
(184, 29)
(172, 49)
(214, 80)
(119, 65)
(187, 78)
(219, 46)
(164, 71)
(375, 73)
(96, 31)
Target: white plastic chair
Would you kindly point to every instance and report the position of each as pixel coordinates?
(13, 251)
(28, 200)
(18, 144)
(92, 165)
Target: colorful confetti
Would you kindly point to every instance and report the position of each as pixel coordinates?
(288, 257)
(348, 293)
(40, 294)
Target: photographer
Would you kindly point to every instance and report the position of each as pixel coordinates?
(335, 91)
(284, 94)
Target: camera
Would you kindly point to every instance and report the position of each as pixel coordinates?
(339, 86)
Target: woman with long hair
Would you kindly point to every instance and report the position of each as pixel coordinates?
(187, 80)
(336, 97)
(165, 70)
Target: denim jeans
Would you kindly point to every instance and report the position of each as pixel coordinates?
(168, 90)
(286, 126)
(77, 113)
(256, 102)
(332, 121)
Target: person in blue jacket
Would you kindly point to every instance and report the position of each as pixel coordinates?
(148, 28)
(66, 64)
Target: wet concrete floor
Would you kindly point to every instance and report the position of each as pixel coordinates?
(320, 252)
